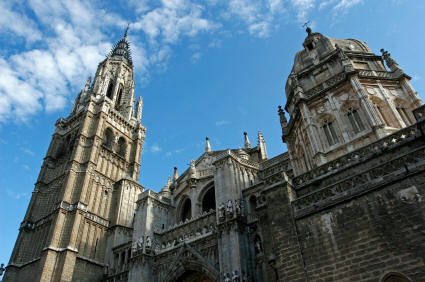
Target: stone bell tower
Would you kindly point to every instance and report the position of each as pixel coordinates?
(79, 196)
(341, 96)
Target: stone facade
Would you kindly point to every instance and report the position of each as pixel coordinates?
(345, 203)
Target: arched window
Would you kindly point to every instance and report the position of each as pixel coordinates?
(107, 138)
(208, 201)
(395, 277)
(186, 210)
(110, 89)
(355, 120)
(119, 96)
(330, 133)
(380, 110)
(402, 111)
(122, 147)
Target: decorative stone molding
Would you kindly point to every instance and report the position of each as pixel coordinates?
(396, 139)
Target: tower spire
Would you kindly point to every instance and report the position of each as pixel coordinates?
(207, 145)
(246, 142)
(126, 31)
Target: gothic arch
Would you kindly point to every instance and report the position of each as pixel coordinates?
(404, 111)
(109, 92)
(108, 138)
(203, 194)
(383, 111)
(184, 210)
(330, 130)
(122, 147)
(353, 115)
(186, 265)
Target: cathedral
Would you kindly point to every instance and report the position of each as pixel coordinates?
(345, 203)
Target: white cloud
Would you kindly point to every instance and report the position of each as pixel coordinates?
(196, 56)
(17, 23)
(16, 196)
(155, 148)
(221, 123)
(65, 40)
(28, 151)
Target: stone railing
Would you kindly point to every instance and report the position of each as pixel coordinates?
(251, 218)
(369, 178)
(376, 74)
(276, 166)
(398, 138)
(188, 231)
(331, 82)
(274, 161)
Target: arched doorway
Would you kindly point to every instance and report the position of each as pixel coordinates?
(193, 276)
(208, 201)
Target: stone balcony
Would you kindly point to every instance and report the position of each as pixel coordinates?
(190, 230)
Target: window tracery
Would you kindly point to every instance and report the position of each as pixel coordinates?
(355, 120)
(330, 133)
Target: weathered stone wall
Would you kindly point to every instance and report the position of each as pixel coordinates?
(366, 237)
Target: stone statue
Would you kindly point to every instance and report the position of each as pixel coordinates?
(221, 211)
(238, 207)
(235, 276)
(148, 242)
(229, 208)
(341, 53)
(227, 277)
(139, 243)
(2, 269)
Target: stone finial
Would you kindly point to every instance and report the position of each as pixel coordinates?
(139, 107)
(283, 120)
(246, 142)
(262, 146)
(175, 175)
(207, 145)
(308, 30)
(87, 84)
(391, 63)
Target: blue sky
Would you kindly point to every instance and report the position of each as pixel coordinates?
(204, 68)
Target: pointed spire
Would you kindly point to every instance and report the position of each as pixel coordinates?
(246, 142)
(139, 107)
(87, 84)
(207, 145)
(126, 31)
(122, 49)
(262, 146)
(175, 175)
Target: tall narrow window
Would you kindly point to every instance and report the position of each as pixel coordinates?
(110, 89)
(108, 138)
(404, 115)
(122, 147)
(330, 133)
(355, 120)
(119, 96)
